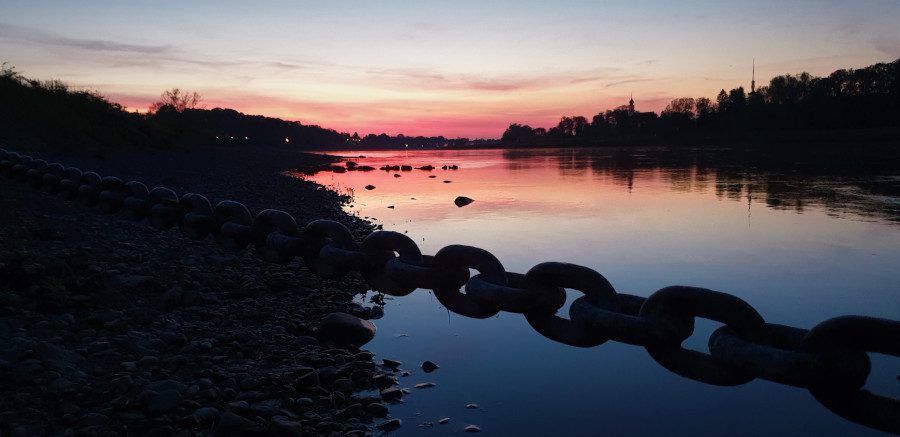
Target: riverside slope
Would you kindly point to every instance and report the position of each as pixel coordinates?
(112, 327)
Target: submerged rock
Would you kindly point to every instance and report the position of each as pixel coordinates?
(462, 201)
(392, 364)
(429, 366)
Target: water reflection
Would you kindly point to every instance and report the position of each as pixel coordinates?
(645, 219)
(861, 183)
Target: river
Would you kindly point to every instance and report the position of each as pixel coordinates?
(801, 238)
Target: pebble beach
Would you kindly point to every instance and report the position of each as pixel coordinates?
(113, 327)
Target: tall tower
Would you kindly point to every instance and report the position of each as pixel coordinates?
(631, 105)
(753, 78)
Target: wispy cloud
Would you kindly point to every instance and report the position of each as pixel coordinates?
(888, 45)
(629, 81)
(34, 36)
(432, 80)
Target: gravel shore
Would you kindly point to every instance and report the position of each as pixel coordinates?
(112, 327)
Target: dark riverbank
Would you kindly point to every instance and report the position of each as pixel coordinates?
(112, 327)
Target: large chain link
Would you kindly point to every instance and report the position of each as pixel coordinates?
(830, 360)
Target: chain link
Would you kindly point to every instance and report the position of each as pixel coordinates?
(829, 360)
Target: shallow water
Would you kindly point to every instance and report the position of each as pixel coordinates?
(798, 238)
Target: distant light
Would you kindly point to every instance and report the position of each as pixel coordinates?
(232, 138)
(407, 145)
(287, 140)
(246, 138)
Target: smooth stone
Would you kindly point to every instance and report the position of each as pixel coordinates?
(239, 406)
(425, 384)
(390, 425)
(147, 361)
(163, 402)
(429, 367)
(205, 414)
(239, 425)
(61, 384)
(343, 328)
(283, 426)
(462, 201)
(391, 394)
(377, 409)
(392, 364)
(343, 385)
(166, 384)
(266, 408)
(472, 428)
(91, 419)
(309, 379)
(354, 410)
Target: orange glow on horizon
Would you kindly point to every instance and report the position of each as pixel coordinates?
(482, 121)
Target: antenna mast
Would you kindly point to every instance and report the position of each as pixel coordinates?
(753, 78)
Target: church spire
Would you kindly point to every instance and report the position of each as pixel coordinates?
(631, 105)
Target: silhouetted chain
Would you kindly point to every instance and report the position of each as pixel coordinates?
(830, 360)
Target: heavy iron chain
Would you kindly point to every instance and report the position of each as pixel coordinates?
(830, 360)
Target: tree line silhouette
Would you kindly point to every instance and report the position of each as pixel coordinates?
(51, 115)
(48, 114)
(866, 98)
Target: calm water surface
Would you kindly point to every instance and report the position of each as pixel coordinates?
(800, 239)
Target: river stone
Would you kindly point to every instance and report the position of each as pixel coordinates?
(390, 425)
(392, 364)
(166, 384)
(284, 426)
(240, 425)
(391, 394)
(377, 409)
(429, 367)
(343, 328)
(462, 201)
(90, 419)
(204, 415)
(164, 401)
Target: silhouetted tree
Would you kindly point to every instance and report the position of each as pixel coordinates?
(704, 106)
(566, 126)
(179, 100)
(682, 106)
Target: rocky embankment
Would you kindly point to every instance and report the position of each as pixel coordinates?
(112, 327)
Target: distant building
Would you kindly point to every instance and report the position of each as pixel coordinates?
(626, 117)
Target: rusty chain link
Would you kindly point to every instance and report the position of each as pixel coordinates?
(830, 360)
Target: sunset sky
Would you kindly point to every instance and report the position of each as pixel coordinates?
(457, 69)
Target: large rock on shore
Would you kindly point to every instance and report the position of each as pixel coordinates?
(343, 328)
